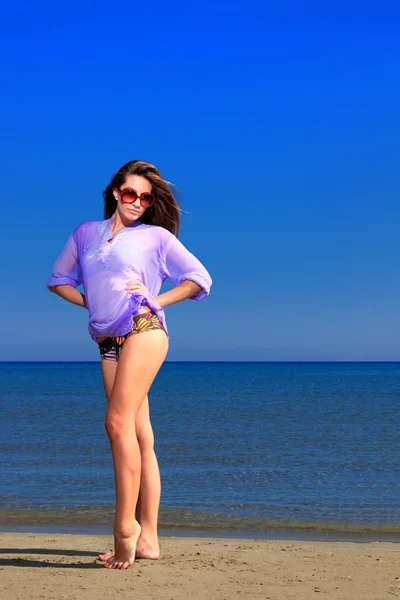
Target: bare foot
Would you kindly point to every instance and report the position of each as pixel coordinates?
(125, 547)
(106, 555)
(147, 548)
(144, 549)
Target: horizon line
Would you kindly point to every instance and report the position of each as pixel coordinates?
(212, 361)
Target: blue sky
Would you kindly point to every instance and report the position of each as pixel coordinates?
(279, 125)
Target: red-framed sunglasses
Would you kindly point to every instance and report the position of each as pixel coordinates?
(129, 196)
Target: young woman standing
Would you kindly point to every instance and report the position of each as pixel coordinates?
(122, 262)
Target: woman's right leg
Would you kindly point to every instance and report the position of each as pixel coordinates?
(150, 482)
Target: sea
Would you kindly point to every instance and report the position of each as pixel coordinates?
(242, 447)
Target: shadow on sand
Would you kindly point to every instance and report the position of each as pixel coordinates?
(28, 562)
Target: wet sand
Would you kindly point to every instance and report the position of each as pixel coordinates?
(65, 566)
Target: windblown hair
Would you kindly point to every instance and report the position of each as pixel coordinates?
(165, 211)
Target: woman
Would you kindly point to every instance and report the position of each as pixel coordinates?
(122, 262)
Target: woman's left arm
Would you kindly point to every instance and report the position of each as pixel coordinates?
(190, 277)
(183, 291)
(186, 289)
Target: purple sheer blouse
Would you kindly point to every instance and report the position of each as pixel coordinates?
(139, 251)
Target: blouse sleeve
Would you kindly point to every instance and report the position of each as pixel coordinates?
(67, 270)
(180, 265)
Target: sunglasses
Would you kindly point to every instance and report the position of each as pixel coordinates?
(129, 196)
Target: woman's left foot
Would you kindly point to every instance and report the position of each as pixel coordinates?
(148, 548)
(106, 555)
(144, 549)
(125, 549)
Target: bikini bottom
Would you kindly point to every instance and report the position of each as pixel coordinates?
(110, 347)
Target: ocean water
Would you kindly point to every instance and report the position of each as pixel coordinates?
(249, 444)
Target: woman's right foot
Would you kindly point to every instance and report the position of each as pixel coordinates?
(125, 548)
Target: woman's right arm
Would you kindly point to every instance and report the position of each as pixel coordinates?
(69, 293)
(66, 276)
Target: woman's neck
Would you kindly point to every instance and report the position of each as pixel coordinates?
(118, 223)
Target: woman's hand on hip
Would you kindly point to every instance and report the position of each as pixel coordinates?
(135, 286)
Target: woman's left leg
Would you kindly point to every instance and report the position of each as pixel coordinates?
(141, 357)
(150, 484)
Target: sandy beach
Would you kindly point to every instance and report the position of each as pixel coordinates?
(65, 566)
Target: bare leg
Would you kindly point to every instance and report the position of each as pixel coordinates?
(150, 483)
(140, 359)
(150, 488)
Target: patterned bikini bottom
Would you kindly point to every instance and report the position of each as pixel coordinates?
(110, 347)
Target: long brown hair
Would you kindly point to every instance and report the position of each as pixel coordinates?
(165, 211)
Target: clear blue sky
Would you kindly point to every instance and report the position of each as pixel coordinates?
(278, 122)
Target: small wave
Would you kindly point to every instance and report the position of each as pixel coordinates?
(185, 520)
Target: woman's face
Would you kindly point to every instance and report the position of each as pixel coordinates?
(132, 212)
